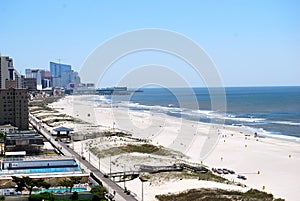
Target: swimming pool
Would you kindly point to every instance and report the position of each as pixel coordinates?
(62, 190)
(60, 169)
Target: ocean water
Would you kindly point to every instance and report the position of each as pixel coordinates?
(269, 111)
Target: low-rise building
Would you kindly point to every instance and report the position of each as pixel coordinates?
(30, 142)
(8, 128)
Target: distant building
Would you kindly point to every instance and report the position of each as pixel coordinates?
(30, 84)
(18, 78)
(62, 75)
(46, 83)
(8, 73)
(69, 78)
(56, 69)
(14, 107)
(42, 77)
(30, 142)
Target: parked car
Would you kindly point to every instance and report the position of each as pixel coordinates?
(242, 177)
(225, 171)
(219, 171)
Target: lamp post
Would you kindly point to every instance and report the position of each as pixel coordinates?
(143, 180)
(114, 127)
(99, 164)
(124, 176)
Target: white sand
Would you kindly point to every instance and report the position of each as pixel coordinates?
(277, 161)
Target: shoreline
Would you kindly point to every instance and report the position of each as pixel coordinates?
(249, 129)
(276, 160)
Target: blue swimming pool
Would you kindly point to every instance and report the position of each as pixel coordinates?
(60, 169)
(62, 190)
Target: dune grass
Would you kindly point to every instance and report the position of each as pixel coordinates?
(218, 195)
(130, 148)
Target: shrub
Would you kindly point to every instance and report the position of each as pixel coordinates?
(42, 196)
(74, 196)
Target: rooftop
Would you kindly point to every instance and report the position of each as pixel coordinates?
(62, 128)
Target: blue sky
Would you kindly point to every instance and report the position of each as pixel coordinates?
(252, 43)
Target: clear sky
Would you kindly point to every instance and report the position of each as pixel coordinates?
(252, 42)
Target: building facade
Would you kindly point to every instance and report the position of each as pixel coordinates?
(30, 142)
(30, 84)
(14, 107)
(62, 75)
(8, 73)
(56, 69)
(5, 63)
(42, 77)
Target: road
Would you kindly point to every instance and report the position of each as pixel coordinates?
(65, 150)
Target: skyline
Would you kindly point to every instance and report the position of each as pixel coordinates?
(252, 43)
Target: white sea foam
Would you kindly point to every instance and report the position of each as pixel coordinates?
(286, 123)
(244, 119)
(209, 115)
(262, 132)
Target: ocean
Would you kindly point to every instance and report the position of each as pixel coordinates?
(269, 111)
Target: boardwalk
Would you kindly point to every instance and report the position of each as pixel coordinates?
(123, 176)
(110, 185)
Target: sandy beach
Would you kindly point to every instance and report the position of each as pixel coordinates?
(269, 164)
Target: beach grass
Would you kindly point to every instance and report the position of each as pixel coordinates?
(205, 194)
(131, 148)
(186, 174)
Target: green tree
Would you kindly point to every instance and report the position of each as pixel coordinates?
(69, 183)
(2, 197)
(29, 183)
(66, 183)
(98, 192)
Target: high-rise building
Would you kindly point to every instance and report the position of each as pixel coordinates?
(56, 69)
(5, 62)
(14, 107)
(68, 78)
(63, 75)
(8, 72)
